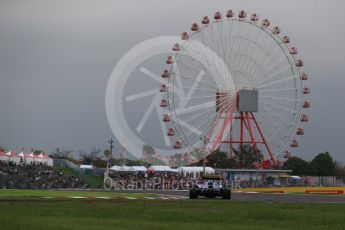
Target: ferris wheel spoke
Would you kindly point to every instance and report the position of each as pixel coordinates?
(192, 70)
(203, 83)
(276, 82)
(198, 125)
(213, 38)
(189, 127)
(209, 110)
(195, 108)
(214, 90)
(208, 64)
(245, 61)
(152, 75)
(265, 60)
(283, 108)
(212, 63)
(209, 43)
(254, 64)
(204, 54)
(198, 115)
(202, 123)
(274, 75)
(280, 98)
(152, 106)
(220, 31)
(187, 134)
(232, 41)
(274, 116)
(185, 100)
(141, 95)
(208, 114)
(206, 105)
(192, 89)
(188, 67)
(279, 90)
(277, 118)
(247, 34)
(272, 59)
(270, 75)
(263, 53)
(216, 67)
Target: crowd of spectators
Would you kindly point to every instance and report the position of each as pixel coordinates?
(152, 180)
(35, 176)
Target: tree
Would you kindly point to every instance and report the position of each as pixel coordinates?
(60, 154)
(220, 159)
(88, 158)
(148, 150)
(246, 156)
(2, 149)
(297, 165)
(339, 170)
(107, 154)
(323, 165)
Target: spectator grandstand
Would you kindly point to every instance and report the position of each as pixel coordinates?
(35, 176)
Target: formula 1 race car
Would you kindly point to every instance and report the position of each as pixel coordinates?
(210, 187)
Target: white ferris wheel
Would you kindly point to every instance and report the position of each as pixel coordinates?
(234, 80)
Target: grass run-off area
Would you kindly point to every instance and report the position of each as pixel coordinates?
(30, 210)
(10, 194)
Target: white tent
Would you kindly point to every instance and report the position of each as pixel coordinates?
(115, 168)
(39, 158)
(46, 159)
(125, 169)
(28, 158)
(161, 168)
(21, 155)
(139, 168)
(3, 156)
(13, 157)
(86, 166)
(194, 172)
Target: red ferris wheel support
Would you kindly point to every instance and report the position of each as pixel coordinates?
(246, 106)
(248, 123)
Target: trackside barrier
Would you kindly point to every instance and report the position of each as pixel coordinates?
(271, 191)
(325, 191)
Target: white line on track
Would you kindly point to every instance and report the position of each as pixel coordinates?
(131, 198)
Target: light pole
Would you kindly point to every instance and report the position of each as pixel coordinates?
(204, 139)
(111, 142)
(257, 165)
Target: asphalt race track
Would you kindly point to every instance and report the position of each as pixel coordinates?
(252, 197)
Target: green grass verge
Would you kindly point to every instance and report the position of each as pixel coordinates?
(19, 193)
(92, 181)
(155, 214)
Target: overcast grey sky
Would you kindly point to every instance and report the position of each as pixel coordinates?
(56, 58)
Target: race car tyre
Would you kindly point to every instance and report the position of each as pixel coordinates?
(226, 194)
(193, 194)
